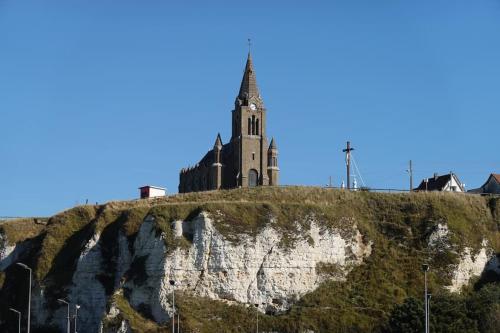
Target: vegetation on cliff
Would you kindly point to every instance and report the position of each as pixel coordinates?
(376, 296)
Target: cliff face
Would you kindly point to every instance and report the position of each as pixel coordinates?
(256, 270)
(291, 252)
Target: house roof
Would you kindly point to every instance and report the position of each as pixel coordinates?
(484, 187)
(152, 186)
(496, 176)
(437, 183)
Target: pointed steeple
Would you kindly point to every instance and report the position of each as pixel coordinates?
(273, 144)
(248, 88)
(218, 142)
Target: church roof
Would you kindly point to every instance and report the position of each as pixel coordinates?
(248, 86)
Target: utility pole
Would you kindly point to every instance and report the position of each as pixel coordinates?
(425, 268)
(172, 283)
(410, 172)
(76, 315)
(29, 295)
(257, 307)
(428, 312)
(68, 318)
(347, 152)
(18, 318)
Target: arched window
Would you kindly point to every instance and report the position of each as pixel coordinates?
(249, 126)
(253, 125)
(257, 127)
(253, 177)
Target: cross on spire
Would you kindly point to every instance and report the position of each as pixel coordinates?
(249, 45)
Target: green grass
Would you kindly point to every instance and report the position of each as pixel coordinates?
(19, 230)
(134, 319)
(200, 314)
(61, 228)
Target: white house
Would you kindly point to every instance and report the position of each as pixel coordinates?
(491, 186)
(149, 191)
(445, 183)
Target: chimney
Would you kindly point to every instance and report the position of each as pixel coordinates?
(435, 175)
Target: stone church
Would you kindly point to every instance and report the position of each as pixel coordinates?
(246, 160)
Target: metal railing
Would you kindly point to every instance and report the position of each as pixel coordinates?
(385, 190)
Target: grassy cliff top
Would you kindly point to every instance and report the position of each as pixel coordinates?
(408, 217)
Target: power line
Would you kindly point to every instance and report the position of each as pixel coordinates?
(357, 170)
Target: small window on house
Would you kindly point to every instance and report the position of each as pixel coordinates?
(249, 126)
(257, 127)
(253, 156)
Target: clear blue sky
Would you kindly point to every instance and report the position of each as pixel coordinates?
(100, 97)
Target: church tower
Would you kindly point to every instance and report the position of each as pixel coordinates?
(249, 132)
(216, 167)
(246, 160)
(272, 163)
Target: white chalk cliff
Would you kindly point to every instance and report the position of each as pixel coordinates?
(256, 269)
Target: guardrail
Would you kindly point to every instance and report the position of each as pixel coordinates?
(359, 189)
(8, 218)
(385, 190)
(37, 219)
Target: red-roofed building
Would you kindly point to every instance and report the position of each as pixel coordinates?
(491, 186)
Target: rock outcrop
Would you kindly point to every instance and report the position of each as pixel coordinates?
(254, 271)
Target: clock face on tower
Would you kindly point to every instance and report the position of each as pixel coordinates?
(253, 107)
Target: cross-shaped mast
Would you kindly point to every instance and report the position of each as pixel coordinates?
(347, 152)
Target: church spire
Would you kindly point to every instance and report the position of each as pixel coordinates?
(273, 144)
(218, 142)
(248, 88)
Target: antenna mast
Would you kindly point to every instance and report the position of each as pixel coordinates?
(410, 172)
